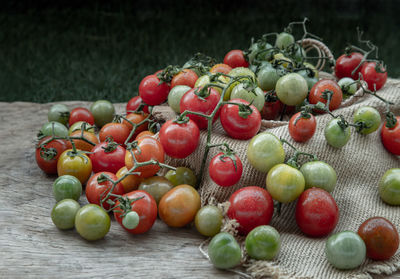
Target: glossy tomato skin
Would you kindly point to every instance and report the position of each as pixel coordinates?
(221, 68)
(92, 222)
(134, 103)
(223, 171)
(251, 206)
(239, 127)
(373, 78)
(81, 114)
(104, 160)
(271, 110)
(136, 118)
(316, 93)
(103, 112)
(389, 187)
(131, 182)
(181, 176)
(302, 129)
(146, 208)
(345, 64)
(78, 166)
(179, 140)
(83, 145)
(208, 220)
(335, 135)
(224, 251)
(317, 213)
(186, 77)
(190, 101)
(156, 186)
(390, 137)
(381, 238)
(152, 92)
(117, 131)
(235, 58)
(48, 164)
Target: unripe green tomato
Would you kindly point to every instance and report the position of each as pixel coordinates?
(348, 86)
(319, 174)
(131, 220)
(77, 126)
(236, 72)
(92, 222)
(208, 220)
(175, 96)
(255, 97)
(256, 52)
(63, 214)
(370, 118)
(335, 135)
(310, 80)
(263, 243)
(67, 187)
(291, 89)
(181, 176)
(389, 187)
(283, 40)
(204, 80)
(156, 186)
(267, 78)
(58, 113)
(59, 129)
(103, 112)
(224, 251)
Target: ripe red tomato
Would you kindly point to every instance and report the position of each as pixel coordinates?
(118, 131)
(107, 157)
(47, 157)
(136, 118)
(391, 137)
(235, 58)
(152, 92)
(134, 103)
(239, 127)
(144, 134)
(81, 114)
(251, 206)
(372, 76)
(271, 110)
(317, 213)
(316, 93)
(179, 140)
(303, 129)
(146, 208)
(221, 68)
(381, 238)
(96, 191)
(345, 64)
(223, 171)
(190, 101)
(185, 77)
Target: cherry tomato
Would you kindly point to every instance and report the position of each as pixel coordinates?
(291, 89)
(178, 207)
(336, 135)
(148, 149)
(175, 96)
(381, 238)
(238, 126)
(107, 156)
(134, 103)
(92, 222)
(77, 126)
(56, 128)
(317, 93)
(83, 145)
(117, 131)
(370, 119)
(64, 212)
(301, 129)
(389, 187)
(156, 186)
(263, 243)
(390, 137)
(251, 206)
(67, 187)
(255, 97)
(96, 191)
(76, 164)
(146, 208)
(225, 170)
(283, 40)
(190, 101)
(374, 75)
(345, 65)
(59, 113)
(103, 112)
(136, 118)
(267, 77)
(319, 174)
(185, 77)
(271, 110)
(235, 58)
(181, 176)
(47, 155)
(131, 182)
(81, 114)
(179, 140)
(224, 251)
(221, 68)
(144, 134)
(208, 220)
(152, 91)
(317, 213)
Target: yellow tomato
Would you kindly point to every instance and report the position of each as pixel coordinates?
(78, 165)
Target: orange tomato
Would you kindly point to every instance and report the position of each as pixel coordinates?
(118, 131)
(131, 182)
(185, 77)
(144, 134)
(136, 118)
(83, 145)
(221, 68)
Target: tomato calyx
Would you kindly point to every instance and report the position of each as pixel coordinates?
(293, 161)
(125, 205)
(74, 152)
(111, 145)
(181, 119)
(200, 62)
(48, 153)
(391, 120)
(203, 93)
(304, 113)
(166, 75)
(228, 153)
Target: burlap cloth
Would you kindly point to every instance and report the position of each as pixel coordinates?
(359, 166)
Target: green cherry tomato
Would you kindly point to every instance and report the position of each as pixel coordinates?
(285, 183)
(236, 72)
(131, 220)
(58, 113)
(283, 40)
(319, 174)
(92, 222)
(208, 220)
(224, 251)
(259, 51)
(336, 135)
(348, 86)
(255, 97)
(77, 126)
(181, 176)
(369, 119)
(291, 89)
(175, 96)
(267, 77)
(389, 187)
(156, 186)
(264, 151)
(67, 187)
(345, 250)
(63, 214)
(59, 129)
(263, 243)
(103, 112)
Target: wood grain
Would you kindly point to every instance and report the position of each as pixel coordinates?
(32, 247)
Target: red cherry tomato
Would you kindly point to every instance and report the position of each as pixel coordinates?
(81, 114)
(185, 77)
(239, 127)
(146, 208)
(46, 157)
(345, 64)
(316, 93)
(136, 118)
(107, 157)
(317, 213)
(223, 170)
(271, 110)
(373, 77)
(380, 237)
(152, 91)
(235, 58)
(391, 137)
(118, 131)
(134, 103)
(190, 101)
(96, 191)
(251, 206)
(302, 129)
(179, 140)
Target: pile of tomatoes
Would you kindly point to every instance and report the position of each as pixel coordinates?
(117, 158)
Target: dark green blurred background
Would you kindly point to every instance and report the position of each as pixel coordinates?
(86, 51)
